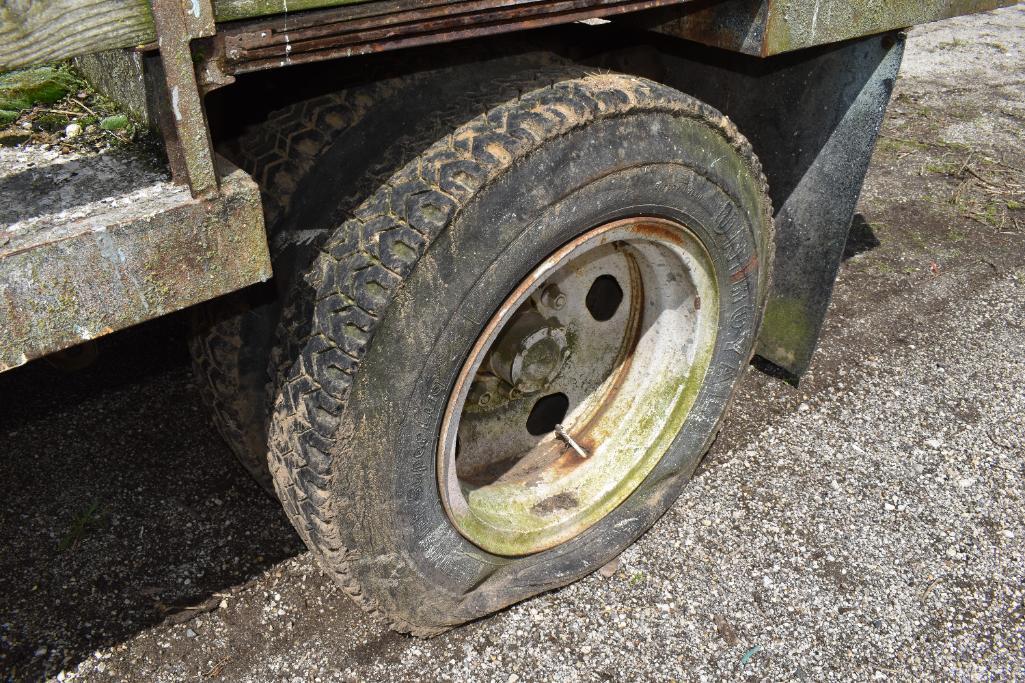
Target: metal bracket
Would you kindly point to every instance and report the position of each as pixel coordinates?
(183, 122)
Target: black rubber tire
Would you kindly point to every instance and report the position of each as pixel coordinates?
(369, 131)
(404, 287)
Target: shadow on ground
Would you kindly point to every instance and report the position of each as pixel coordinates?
(122, 507)
(860, 239)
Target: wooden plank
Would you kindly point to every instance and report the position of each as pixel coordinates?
(95, 244)
(770, 27)
(797, 24)
(229, 10)
(34, 31)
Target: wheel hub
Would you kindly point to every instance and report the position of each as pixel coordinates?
(529, 353)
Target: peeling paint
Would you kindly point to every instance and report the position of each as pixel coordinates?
(174, 103)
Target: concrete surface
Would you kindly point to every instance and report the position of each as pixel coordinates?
(868, 525)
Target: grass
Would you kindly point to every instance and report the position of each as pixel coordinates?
(892, 145)
(88, 519)
(987, 190)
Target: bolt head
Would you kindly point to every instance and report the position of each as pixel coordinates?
(553, 298)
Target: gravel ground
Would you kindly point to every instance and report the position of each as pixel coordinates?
(866, 525)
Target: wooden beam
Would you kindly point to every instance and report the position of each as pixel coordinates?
(229, 10)
(770, 27)
(34, 31)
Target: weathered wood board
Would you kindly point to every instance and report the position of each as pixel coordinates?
(35, 31)
(229, 10)
(770, 27)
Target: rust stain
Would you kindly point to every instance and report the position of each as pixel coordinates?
(569, 459)
(186, 135)
(742, 272)
(656, 230)
(355, 30)
(560, 501)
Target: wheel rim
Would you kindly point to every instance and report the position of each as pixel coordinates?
(578, 385)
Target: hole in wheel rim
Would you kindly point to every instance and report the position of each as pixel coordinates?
(549, 411)
(603, 298)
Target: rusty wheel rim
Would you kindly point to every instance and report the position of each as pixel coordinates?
(578, 385)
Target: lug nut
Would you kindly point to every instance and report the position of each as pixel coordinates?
(552, 297)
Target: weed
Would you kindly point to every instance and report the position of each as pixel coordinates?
(89, 519)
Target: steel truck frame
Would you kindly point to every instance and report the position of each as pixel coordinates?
(804, 84)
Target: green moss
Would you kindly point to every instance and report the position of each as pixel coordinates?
(786, 328)
(116, 122)
(7, 116)
(52, 122)
(957, 234)
(990, 214)
(21, 90)
(943, 168)
(897, 145)
(882, 267)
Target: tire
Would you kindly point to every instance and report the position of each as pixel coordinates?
(370, 131)
(404, 287)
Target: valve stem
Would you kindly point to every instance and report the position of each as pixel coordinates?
(564, 435)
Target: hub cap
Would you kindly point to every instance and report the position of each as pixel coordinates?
(577, 386)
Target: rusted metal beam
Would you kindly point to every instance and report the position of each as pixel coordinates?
(176, 27)
(377, 27)
(32, 31)
(99, 256)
